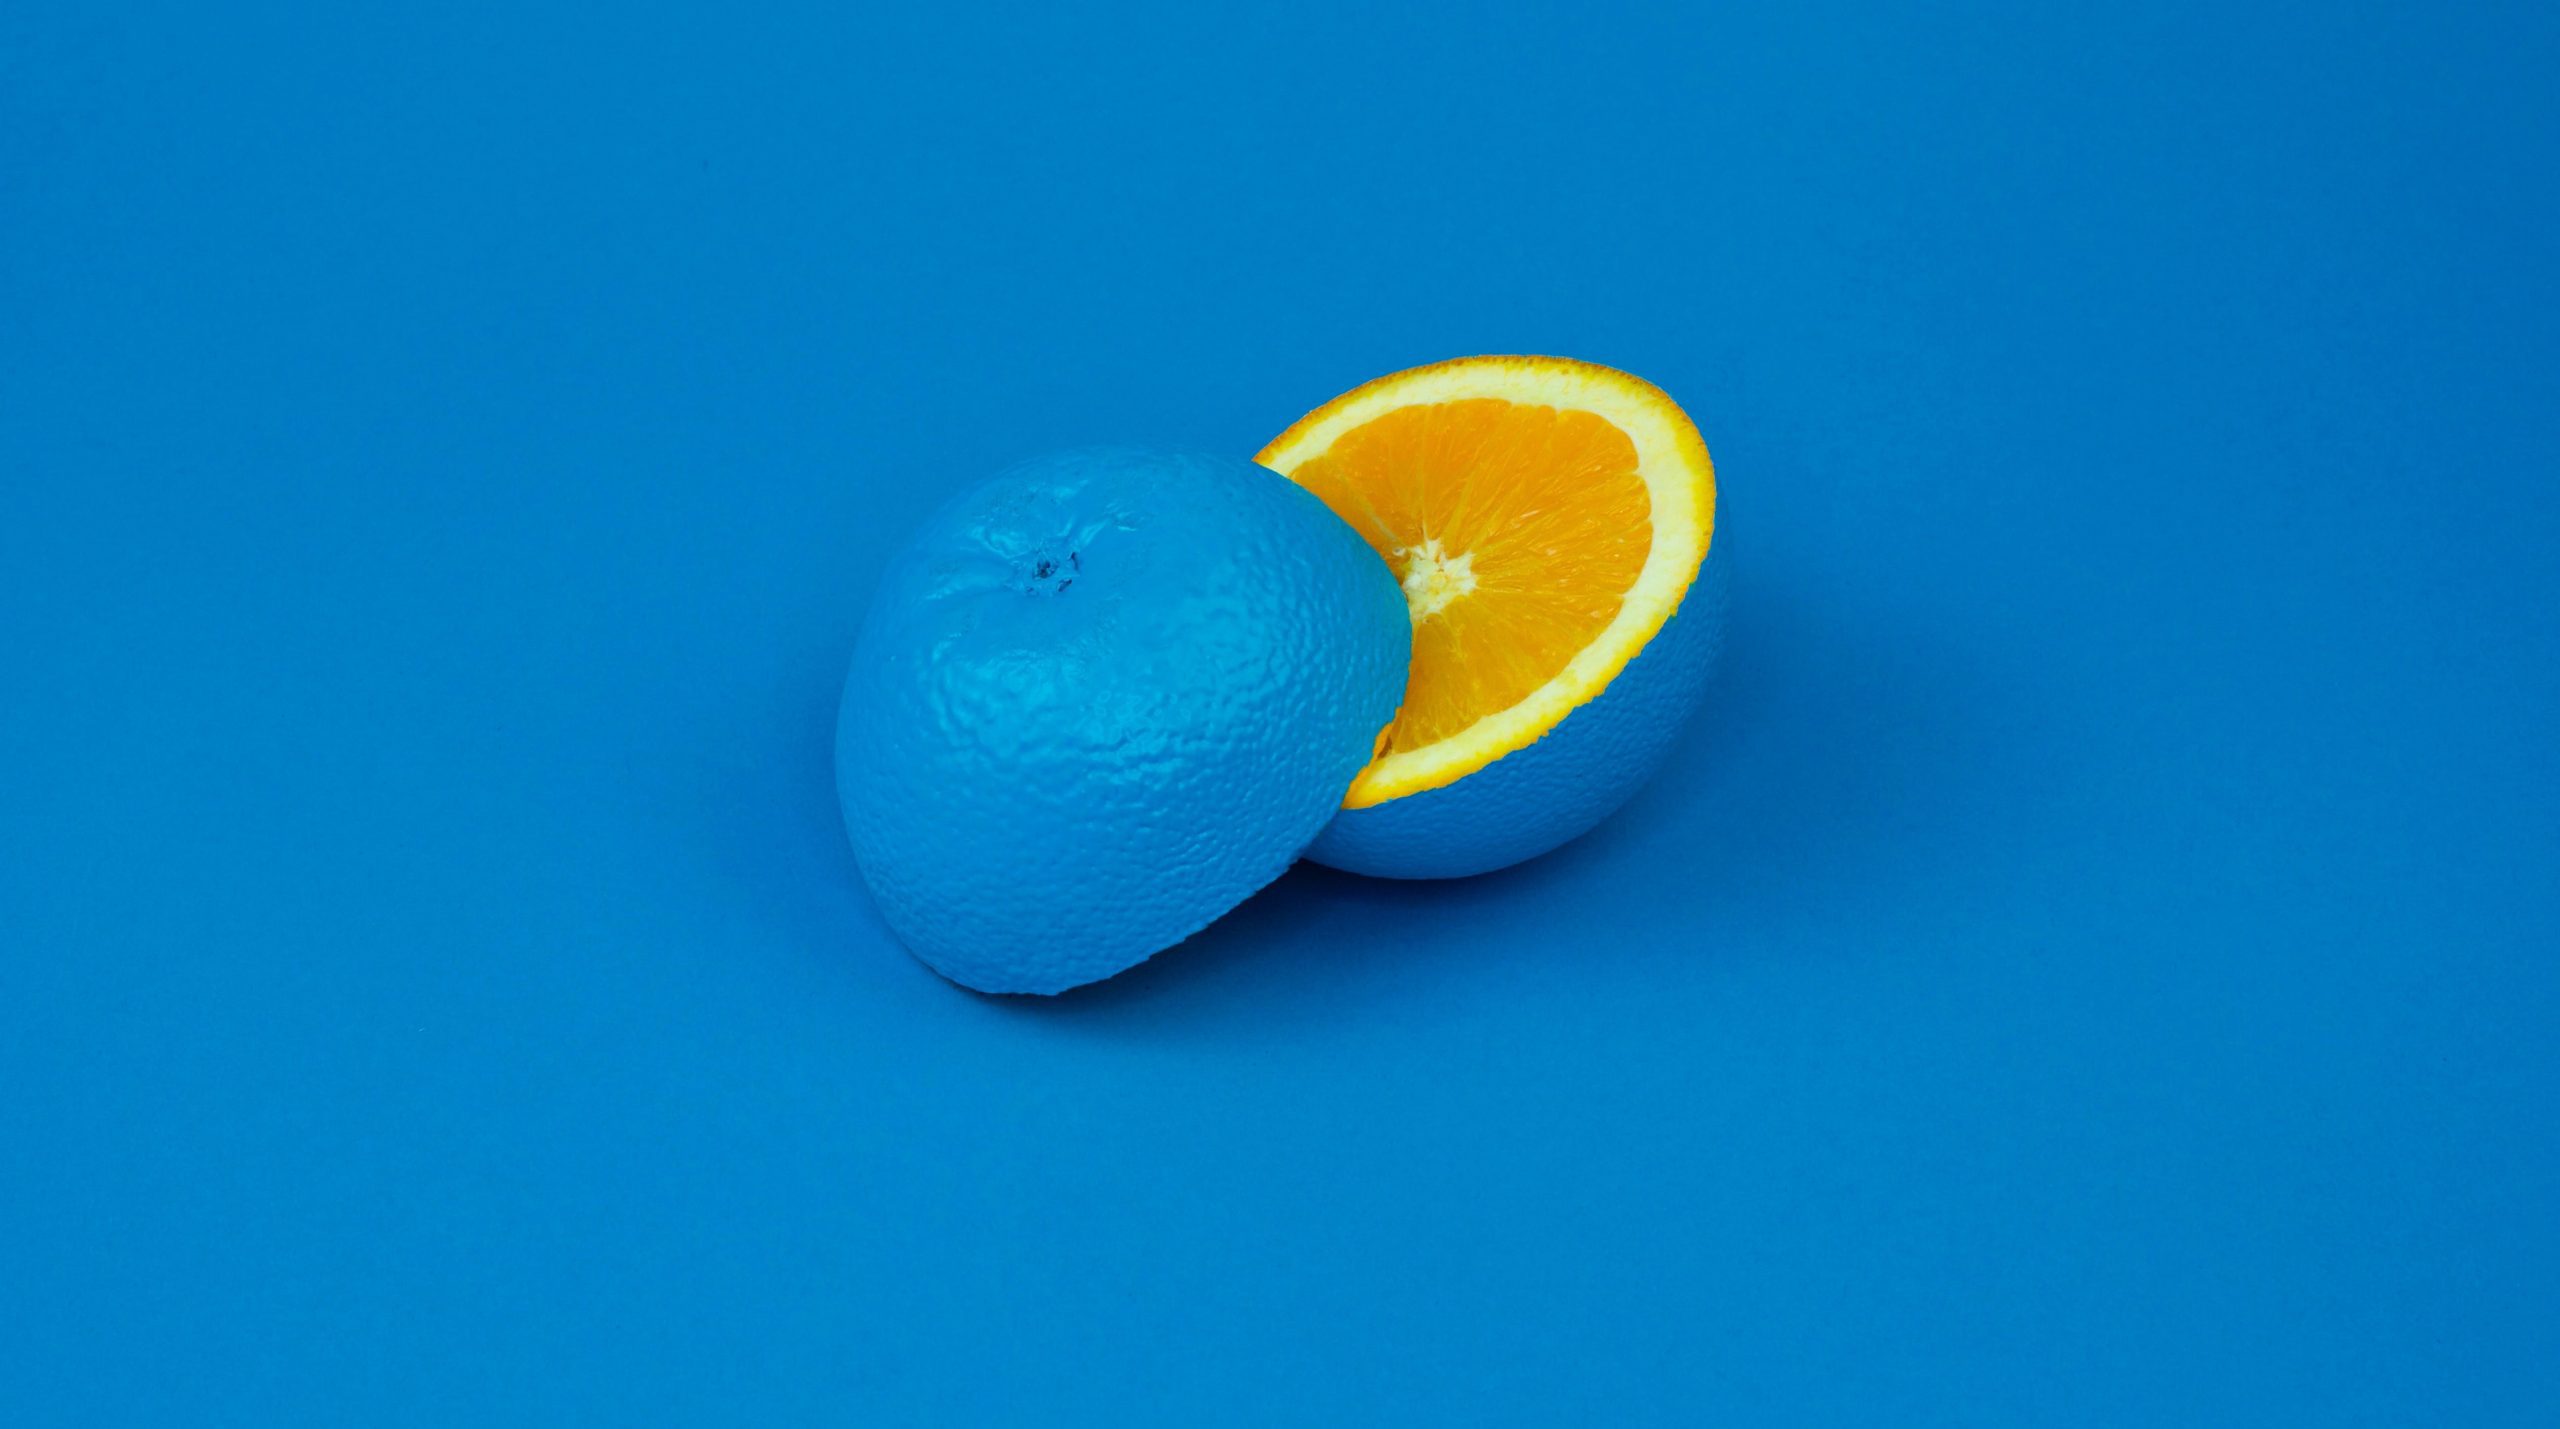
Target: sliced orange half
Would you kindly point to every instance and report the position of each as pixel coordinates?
(1545, 516)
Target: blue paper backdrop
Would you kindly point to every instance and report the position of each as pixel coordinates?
(2093, 964)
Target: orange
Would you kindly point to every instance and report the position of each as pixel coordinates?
(1545, 518)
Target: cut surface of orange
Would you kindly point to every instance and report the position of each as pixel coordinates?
(1545, 517)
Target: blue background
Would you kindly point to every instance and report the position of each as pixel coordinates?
(2093, 963)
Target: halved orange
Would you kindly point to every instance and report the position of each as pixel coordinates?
(1545, 517)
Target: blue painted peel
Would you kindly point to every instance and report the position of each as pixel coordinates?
(1100, 699)
(1539, 797)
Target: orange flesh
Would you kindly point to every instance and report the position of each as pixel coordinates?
(1517, 531)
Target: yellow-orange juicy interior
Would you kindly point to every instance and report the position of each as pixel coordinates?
(1517, 531)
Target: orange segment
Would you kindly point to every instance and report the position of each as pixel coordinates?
(1516, 531)
(1545, 517)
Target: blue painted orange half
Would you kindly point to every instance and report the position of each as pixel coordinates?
(1101, 699)
(1537, 798)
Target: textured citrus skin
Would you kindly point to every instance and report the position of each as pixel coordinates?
(1534, 799)
(1100, 699)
